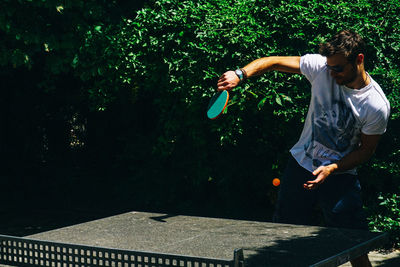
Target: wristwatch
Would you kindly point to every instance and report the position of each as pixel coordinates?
(240, 74)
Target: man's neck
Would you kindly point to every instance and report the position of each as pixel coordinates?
(361, 81)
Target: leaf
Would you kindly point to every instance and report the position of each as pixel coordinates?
(278, 100)
(97, 28)
(262, 102)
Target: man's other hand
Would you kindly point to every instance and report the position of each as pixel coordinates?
(321, 173)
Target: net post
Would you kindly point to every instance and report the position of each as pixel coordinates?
(238, 258)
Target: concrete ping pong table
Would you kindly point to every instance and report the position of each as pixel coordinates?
(150, 239)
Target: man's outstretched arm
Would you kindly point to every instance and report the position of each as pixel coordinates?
(230, 80)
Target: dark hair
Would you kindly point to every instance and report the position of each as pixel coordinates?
(345, 42)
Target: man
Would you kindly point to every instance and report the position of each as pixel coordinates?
(347, 115)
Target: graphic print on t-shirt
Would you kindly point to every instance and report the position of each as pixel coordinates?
(332, 131)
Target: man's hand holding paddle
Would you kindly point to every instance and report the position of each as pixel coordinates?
(228, 81)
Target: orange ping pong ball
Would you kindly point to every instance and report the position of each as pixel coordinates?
(276, 182)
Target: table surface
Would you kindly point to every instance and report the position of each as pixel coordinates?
(263, 243)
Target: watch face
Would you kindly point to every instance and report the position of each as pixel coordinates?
(239, 73)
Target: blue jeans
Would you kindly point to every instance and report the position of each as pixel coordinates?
(339, 198)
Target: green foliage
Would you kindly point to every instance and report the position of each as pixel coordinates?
(140, 82)
(181, 47)
(387, 218)
(171, 54)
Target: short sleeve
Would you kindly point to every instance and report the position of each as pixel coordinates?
(376, 122)
(311, 65)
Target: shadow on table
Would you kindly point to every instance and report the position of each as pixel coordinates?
(307, 250)
(392, 262)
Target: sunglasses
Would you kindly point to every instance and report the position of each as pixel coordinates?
(337, 69)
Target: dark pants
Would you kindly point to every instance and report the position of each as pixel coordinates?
(339, 198)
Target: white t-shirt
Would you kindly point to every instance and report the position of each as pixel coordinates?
(337, 116)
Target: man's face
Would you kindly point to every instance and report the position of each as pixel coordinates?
(343, 71)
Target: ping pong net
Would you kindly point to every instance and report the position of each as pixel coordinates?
(18, 251)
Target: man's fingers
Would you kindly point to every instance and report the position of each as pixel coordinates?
(223, 86)
(318, 170)
(309, 186)
(313, 183)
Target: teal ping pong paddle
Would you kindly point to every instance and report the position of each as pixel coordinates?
(217, 104)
